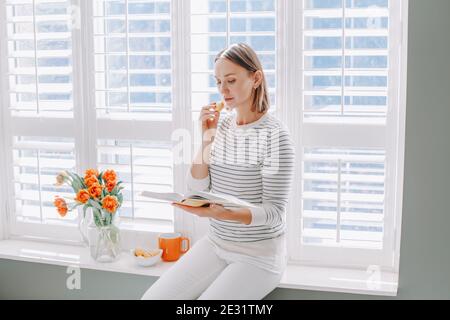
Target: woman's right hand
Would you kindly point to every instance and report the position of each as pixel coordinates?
(209, 118)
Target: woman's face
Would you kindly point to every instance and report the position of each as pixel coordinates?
(234, 83)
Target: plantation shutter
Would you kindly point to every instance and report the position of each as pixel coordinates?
(39, 114)
(348, 143)
(134, 104)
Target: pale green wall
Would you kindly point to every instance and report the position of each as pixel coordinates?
(425, 250)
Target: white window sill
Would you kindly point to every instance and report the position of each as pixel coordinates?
(295, 277)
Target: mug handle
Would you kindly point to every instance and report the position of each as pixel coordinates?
(187, 244)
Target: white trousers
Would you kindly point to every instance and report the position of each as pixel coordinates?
(201, 274)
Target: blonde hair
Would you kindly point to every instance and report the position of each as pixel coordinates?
(244, 56)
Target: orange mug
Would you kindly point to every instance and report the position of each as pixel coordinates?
(172, 245)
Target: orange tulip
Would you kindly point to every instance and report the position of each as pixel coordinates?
(110, 185)
(91, 172)
(95, 190)
(82, 196)
(62, 211)
(61, 206)
(110, 204)
(91, 180)
(59, 202)
(109, 175)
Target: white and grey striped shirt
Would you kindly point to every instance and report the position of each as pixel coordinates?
(255, 163)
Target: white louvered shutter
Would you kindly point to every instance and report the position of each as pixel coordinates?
(118, 115)
(349, 77)
(39, 114)
(133, 103)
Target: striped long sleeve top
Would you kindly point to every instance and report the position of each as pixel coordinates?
(255, 163)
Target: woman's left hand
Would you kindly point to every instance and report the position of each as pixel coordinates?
(213, 211)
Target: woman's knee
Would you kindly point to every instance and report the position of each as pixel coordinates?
(241, 281)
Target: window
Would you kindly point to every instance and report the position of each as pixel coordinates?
(120, 85)
(347, 79)
(37, 70)
(97, 98)
(132, 47)
(133, 99)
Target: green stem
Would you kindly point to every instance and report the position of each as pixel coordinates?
(98, 218)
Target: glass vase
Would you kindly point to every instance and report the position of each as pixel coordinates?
(104, 242)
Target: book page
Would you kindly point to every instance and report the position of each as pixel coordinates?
(165, 196)
(222, 199)
(199, 199)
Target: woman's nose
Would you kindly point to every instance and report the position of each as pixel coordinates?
(223, 88)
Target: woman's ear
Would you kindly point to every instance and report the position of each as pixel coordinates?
(257, 78)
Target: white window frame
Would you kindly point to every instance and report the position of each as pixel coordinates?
(22, 127)
(288, 86)
(4, 230)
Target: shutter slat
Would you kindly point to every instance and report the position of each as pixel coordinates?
(348, 235)
(156, 89)
(55, 105)
(41, 71)
(16, 2)
(41, 54)
(348, 72)
(362, 92)
(348, 33)
(41, 36)
(331, 215)
(48, 180)
(41, 18)
(155, 17)
(120, 35)
(344, 177)
(330, 196)
(348, 52)
(349, 13)
(59, 88)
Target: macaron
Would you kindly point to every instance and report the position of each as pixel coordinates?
(219, 106)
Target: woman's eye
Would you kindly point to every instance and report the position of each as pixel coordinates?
(229, 82)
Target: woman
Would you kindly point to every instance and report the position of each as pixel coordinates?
(247, 154)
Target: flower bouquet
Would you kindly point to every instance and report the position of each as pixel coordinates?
(100, 194)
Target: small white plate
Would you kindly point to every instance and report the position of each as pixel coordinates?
(147, 262)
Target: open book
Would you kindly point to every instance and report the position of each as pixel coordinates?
(199, 199)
